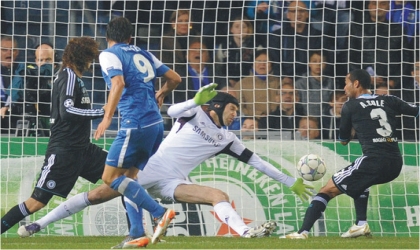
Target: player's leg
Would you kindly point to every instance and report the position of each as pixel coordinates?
(360, 205)
(361, 226)
(71, 206)
(137, 236)
(315, 209)
(57, 177)
(130, 152)
(91, 169)
(374, 170)
(318, 205)
(24, 209)
(197, 194)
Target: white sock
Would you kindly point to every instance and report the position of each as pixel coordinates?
(228, 215)
(68, 207)
(361, 222)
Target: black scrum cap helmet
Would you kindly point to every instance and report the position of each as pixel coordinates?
(219, 102)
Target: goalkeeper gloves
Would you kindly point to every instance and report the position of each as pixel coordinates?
(205, 94)
(302, 190)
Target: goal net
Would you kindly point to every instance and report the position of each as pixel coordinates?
(285, 61)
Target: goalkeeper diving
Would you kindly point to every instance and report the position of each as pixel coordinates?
(196, 136)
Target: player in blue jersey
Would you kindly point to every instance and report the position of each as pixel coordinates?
(374, 120)
(130, 74)
(70, 153)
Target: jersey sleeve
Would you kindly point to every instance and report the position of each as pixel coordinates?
(110, 64)
(183, 109)
(161, 68)
(405, 108)
(345, 123)
(238, 150)
(268, 169)
(67, 109)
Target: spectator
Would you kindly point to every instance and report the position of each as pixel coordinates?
(249, 124)
(314, 87)
(308, 128)
(332, 115)
(287, 115)
(376, 45)
(289, 45)
(410, 93)
(235, 54)
(333, 19)
(405, 13)
(11, 88)
(382, 89)
(257, 92)
(175, 41)
(38, 83)
(267, 16)
(196, 73)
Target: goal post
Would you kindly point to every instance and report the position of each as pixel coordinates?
(393, 207)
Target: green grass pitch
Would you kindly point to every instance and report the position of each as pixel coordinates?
(106, 242)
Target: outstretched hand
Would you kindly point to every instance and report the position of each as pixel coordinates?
(301, 189)
(205, 94)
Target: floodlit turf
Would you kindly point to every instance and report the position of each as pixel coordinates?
(215, 243)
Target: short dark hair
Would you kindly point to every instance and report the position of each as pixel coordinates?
(321, 53)
(9, 38)
(260, 51)
(335, 95)
(362, 76)
(119, 30)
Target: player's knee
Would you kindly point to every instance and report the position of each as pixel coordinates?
(38, 200)
(220, 196)
(101, 194)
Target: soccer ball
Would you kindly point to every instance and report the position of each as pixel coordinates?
(311, 167)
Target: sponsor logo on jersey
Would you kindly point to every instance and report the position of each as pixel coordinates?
(385, 139)
(85, 100)
(206, 137)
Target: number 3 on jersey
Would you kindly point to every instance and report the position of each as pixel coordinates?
(144, 66)
(380, 115)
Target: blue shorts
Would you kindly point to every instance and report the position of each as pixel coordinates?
(134, 146)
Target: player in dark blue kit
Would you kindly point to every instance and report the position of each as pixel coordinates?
(70, 153)
(373, 118)
(130, 74)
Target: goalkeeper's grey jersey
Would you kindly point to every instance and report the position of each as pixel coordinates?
(195, 138)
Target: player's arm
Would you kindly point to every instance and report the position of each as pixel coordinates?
(67, 109)
(302, 190)
(404, 107)
(346, 130)
(187, 108)
(117, 87)
(172, 80)
(111, 66)
(247, 156)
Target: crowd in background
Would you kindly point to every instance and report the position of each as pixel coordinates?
(285, 61)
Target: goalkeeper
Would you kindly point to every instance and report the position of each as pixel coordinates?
(195, 137)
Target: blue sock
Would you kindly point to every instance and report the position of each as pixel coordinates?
(136, 193)
(135, 216)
